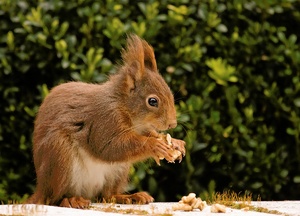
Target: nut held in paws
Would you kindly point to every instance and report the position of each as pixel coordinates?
(175, 153)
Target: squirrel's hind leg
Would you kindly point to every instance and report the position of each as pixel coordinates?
(75, 202)
(138, 198)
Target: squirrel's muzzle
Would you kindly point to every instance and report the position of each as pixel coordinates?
(172, 125)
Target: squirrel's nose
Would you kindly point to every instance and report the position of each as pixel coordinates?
(173, 125)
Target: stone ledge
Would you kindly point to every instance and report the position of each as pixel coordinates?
(288, 208)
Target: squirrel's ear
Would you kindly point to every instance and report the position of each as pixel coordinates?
(140, 51)
(133, 74)
(149, 57)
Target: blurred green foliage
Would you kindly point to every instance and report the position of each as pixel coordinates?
(234, 67)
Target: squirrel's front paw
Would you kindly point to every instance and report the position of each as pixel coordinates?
(177, 149)
(179, 146)
(161, 150)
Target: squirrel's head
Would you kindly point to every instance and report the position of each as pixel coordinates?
(147, 98)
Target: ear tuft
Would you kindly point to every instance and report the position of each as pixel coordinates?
(149, 57)
(139, 50)
(132, 75)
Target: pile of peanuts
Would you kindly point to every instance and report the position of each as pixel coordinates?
(189, 203)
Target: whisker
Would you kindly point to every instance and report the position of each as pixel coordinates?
(179, 99)
(184, 112)
(175, 93)
(187, 125)
(184, 128)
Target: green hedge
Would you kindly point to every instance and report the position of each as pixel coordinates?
(234, 67)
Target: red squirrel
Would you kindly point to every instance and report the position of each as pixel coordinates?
(87, 136)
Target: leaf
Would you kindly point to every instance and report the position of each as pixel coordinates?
(233, 79)
(291, 131)
(257, 185)
(296, 179)
(10, 40)
(222, 28)
(221, 72)
(297, 102)
(227, 131)
(284, 173)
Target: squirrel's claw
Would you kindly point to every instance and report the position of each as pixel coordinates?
(180, 158)
(157, 160)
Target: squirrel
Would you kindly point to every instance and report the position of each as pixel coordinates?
(87, 136)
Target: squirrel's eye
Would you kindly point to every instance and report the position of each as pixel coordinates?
(153, 102)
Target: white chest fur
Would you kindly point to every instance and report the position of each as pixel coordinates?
(89, 176)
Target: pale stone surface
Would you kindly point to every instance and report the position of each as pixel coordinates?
(287, 208)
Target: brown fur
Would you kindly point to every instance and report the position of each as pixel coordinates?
(106, 126)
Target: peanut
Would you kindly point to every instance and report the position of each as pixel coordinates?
(189, 198)
(182, 206)
(218, 208)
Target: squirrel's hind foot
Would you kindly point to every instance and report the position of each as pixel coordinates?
(137, 198)
(75, 202)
